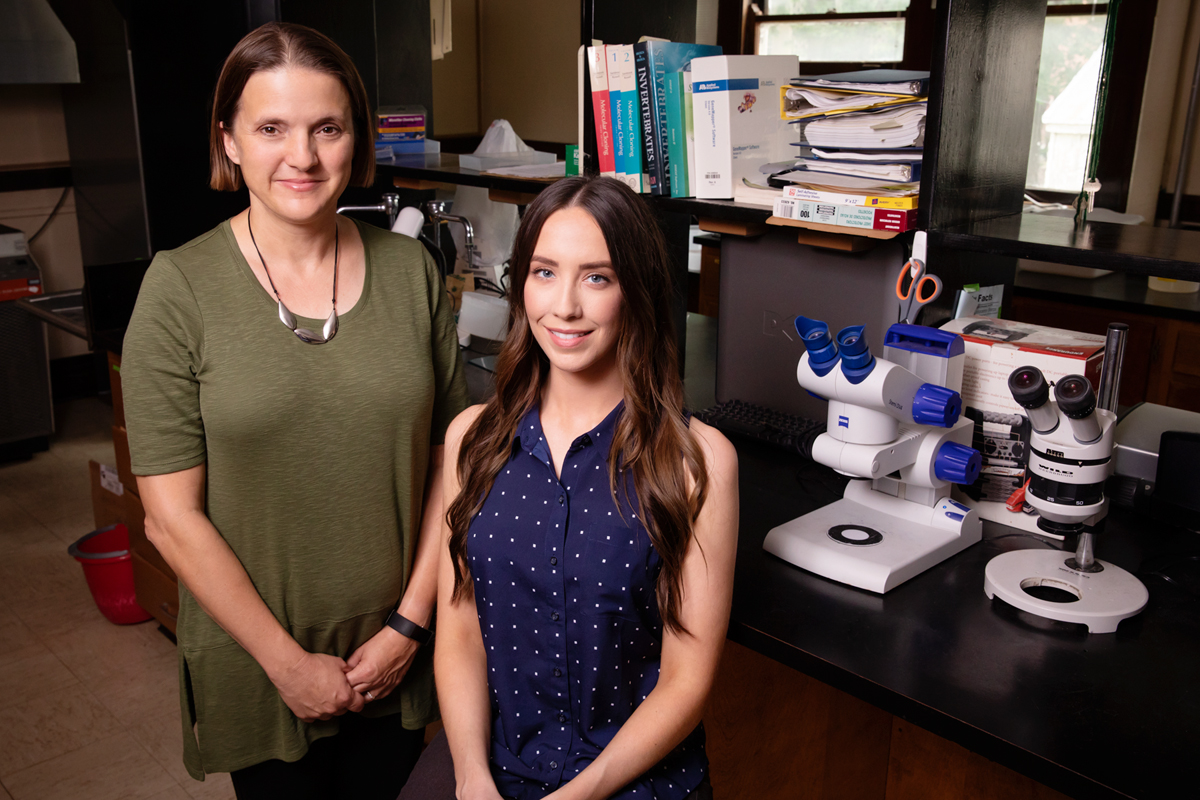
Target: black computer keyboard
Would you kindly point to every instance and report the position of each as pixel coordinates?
(794, 434)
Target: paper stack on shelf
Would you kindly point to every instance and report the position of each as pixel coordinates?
(862, 134)
(890, 128)
(800, 102)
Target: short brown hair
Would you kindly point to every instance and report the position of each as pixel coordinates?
(274, 46)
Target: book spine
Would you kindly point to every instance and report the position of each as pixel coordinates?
(714, 153)
(620, 125)
(633, 120)
(689, 130)
(660, 179)
(650, 154)
(676, 146)
(847, 216)
(815, 195)
(603, 112)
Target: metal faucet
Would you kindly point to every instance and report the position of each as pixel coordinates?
(437, 213)
(389, 206)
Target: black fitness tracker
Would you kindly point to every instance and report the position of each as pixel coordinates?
(406, 627)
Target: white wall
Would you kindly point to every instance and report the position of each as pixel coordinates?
(514, 60)
(32, 132)
(528, 66)
(456, 77)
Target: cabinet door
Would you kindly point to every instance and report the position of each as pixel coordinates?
(1141, 348)
(1177, 382)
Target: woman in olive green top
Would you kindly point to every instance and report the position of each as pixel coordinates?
(289, 377)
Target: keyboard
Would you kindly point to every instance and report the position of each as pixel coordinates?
(794, 434)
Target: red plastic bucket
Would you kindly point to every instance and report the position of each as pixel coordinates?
(108, 567)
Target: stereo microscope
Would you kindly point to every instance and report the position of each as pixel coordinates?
(895, 427)
(1068, 466)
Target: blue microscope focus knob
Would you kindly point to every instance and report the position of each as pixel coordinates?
(936, 405)
(957, 463)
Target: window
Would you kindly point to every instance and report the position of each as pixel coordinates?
(831, 35)
(1072, 48)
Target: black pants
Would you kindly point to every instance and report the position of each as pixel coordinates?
(369, 759)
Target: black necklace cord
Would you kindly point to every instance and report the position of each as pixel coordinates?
(263, 261)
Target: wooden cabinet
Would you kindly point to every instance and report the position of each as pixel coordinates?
(154, 582)
(776, 734)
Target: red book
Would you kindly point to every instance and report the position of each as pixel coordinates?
(598, 66)
(894, 219)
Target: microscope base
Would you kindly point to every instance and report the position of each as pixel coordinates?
(1104, 598)
(872, 540)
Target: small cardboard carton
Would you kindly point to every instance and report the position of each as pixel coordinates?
(996, 347)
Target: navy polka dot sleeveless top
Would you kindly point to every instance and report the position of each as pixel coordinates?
(564, 586)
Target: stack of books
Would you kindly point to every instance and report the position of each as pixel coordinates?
(642, 103)
(400, 129)
(861, 148)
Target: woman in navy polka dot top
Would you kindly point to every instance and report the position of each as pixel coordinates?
(584, 594)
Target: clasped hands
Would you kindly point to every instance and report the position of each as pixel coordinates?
(318, 686)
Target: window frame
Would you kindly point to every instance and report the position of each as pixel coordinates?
(919, 22)
(1131, 59)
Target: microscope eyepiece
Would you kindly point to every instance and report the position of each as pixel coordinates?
(1075, 397)
(857, 361)
(1031, 391)
(1029, 388)
(822, 352)
(1077, 402)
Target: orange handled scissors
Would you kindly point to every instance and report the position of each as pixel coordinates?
(922, 289)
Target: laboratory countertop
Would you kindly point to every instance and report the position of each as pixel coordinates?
(1103, 715)
(1118, 291)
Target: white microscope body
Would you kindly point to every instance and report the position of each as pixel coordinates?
(895, 425)
(1070, 458)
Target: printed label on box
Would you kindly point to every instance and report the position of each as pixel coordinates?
(110, 481)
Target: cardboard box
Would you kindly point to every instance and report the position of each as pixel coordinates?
(156, 592)
(108, 495)
(114, 383)
(996, 347)
(135, 520)
(124, 463)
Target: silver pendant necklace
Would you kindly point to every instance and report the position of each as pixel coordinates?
(330, 328)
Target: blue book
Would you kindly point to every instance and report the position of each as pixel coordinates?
(677, 172)
(663, 58)
(651, 173)
(633, 120)
(620, 126)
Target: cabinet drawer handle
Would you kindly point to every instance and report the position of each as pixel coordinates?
(166, 609)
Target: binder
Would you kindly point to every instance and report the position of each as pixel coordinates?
(872, 81)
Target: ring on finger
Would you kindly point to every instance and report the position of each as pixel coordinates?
(368, 695)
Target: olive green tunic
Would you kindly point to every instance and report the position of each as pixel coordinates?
(316, 458)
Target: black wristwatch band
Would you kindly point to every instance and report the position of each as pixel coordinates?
(406, 627)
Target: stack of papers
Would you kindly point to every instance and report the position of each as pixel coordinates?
(873, 81)
(803, 103)
(862, 134)
(882, 187)
(890, 128)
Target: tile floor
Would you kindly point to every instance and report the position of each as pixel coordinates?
(88, 709)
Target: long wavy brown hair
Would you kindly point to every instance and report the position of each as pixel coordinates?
(651, 441)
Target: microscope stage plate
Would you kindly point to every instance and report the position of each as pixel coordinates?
(870, 548)
(1105, 597)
